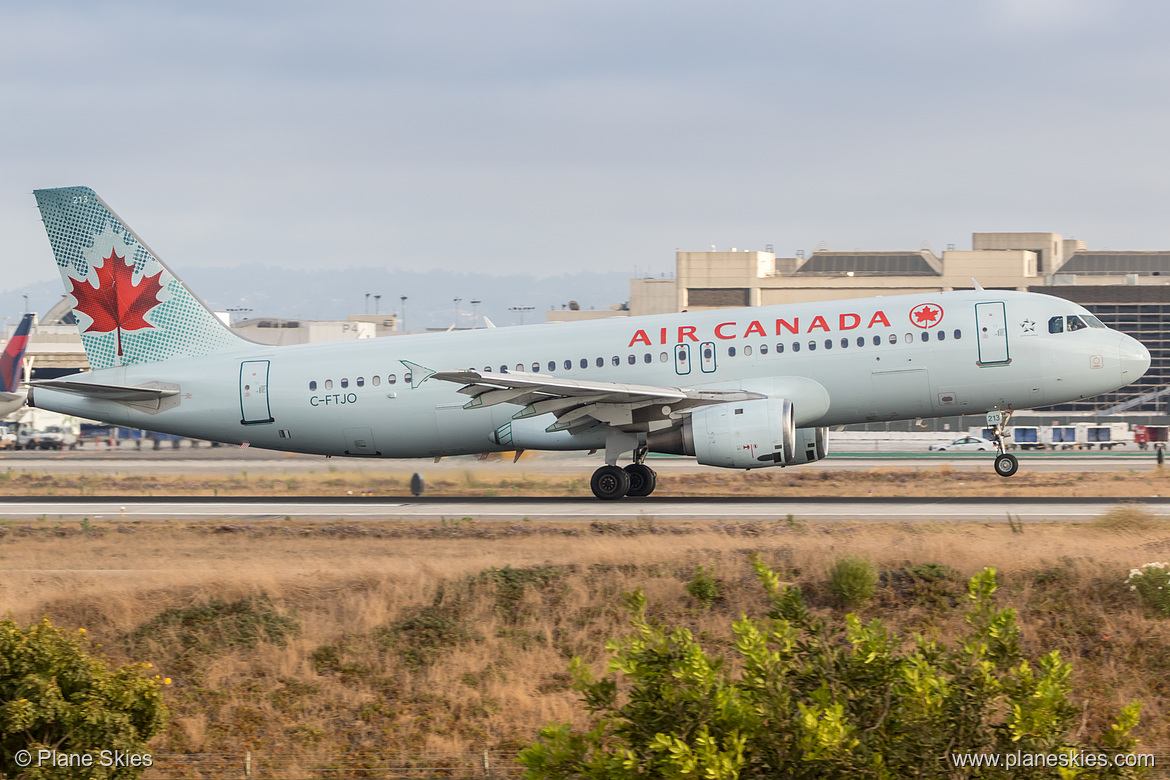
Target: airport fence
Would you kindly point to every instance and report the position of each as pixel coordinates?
(474, 765)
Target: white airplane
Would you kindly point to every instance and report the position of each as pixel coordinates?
(735, 388)
(12, 397)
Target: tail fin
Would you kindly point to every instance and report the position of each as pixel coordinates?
(11, 361)
(130, 308)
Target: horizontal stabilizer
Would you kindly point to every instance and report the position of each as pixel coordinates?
(152, 397)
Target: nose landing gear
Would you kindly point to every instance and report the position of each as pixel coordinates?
(1005, 463)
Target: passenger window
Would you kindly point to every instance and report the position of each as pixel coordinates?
(909, 338)
(552, 366)
(520, 367)
(391, 379)
(861, 341)
(1075, 323)
(828, 343)
(617, 361)
(731, 352)
(747, 351)
(926, 335)
(407, 378)
(536, 368)
(682, 355)
(584, 362)
(328, 384)
(360, 381)
(796, 346)
(487, 369)
(345, 383)
(375, 380)
(893, 338)
(1056, 325)
(707, 353)
(663, 357)
(941, 335)
(503, 369)
(312, 385)
(568, 365)
(812, 345)
(958, 333)
(647, 358)
(601, 362)
(632, 359)
(763, 349)
(844, 343)
(877, 341)
(779, 349)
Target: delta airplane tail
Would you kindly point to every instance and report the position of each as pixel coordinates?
(13, 356)
(130, 308)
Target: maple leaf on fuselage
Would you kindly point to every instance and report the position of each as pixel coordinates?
(116, 303)
(926, 315)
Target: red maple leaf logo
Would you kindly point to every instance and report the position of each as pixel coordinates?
(116, 303)
(926, 315)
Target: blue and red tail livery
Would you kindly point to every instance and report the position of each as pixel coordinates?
(10, 362)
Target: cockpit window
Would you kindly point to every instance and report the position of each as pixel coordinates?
(1056, 325)
(1093, 321)
(1075, 323)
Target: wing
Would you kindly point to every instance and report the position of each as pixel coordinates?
(580, 404)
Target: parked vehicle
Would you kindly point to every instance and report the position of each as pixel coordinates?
(7, 438)
(52, 437)
(965, 444)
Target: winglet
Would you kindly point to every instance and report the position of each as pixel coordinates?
(418, 374)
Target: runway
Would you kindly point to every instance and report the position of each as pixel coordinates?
(351, 510)
(234, 461)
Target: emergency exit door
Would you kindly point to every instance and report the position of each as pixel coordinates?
(254, 406)
(991, 333)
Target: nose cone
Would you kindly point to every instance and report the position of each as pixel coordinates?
(1134, 359)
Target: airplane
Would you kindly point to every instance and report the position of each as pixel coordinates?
(12, 368)
(734, 388)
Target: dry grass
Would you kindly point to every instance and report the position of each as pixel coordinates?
(452, 637)
(527, 480)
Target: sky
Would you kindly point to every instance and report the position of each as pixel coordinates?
(547, 138)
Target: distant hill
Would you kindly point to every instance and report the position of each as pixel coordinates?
(334, 293)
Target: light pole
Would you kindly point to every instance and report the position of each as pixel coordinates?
(457, 302)
(403, 299)
(475, 312)
(25, 302)
(376, 299)
(522, 311)
(367, 303)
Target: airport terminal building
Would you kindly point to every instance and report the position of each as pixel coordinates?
(1127, 290)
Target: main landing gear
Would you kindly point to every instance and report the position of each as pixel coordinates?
(1006, 464)
(636, 480)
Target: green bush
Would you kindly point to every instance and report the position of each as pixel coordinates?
(1152, 584)
(703, 587)
(55, 695)
(852, 581)
(809, 699)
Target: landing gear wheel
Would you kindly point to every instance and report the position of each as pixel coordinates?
(610, 483)
(1006, 465)
(642, 480)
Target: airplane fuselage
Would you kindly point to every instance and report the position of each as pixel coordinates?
(877, 359)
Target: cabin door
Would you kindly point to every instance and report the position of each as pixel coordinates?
(991, 333)
(254, 406)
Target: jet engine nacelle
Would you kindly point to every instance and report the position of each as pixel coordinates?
(812, 444)
(743, 435)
